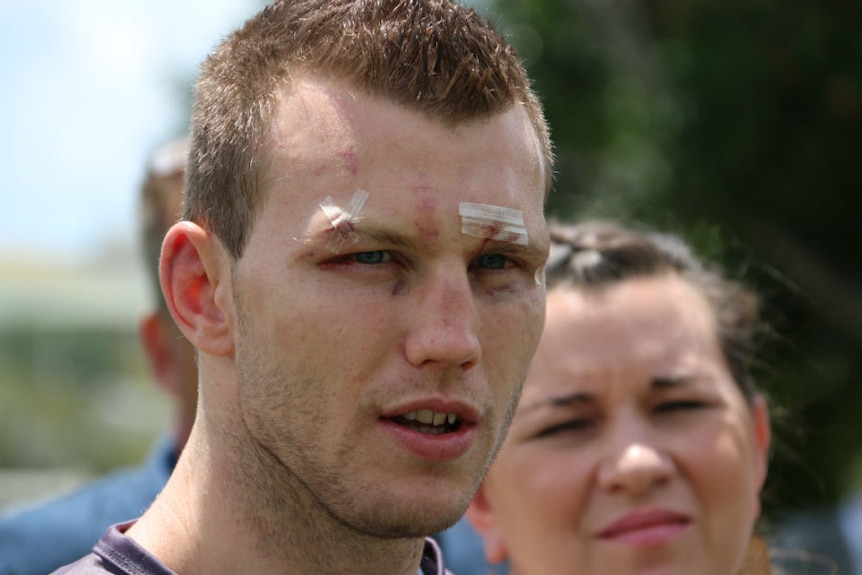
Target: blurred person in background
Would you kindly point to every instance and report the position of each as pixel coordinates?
(829, 536)
(640, 443)
(39, 538)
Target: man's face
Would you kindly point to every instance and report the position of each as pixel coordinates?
(382, 377)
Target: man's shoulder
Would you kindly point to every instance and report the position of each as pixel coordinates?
(92, 564)
(117, 554)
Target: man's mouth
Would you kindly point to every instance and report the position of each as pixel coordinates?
(427, 421)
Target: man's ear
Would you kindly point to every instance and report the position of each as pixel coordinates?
(481, 516)
(195, 275)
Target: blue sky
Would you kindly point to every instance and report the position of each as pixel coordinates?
(87, 89)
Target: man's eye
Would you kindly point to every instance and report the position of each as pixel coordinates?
(492, 261)
(375, 257)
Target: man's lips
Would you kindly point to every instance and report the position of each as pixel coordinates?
(651, 527)
(433, 413)
(432, 429)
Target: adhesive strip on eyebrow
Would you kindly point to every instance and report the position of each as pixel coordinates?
(343, 221)
(493, 223)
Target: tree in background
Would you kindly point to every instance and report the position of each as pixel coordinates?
(738, 124)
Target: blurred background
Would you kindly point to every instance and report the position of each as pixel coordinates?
(735, 123)
(89, 89)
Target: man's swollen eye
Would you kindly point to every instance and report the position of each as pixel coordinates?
(492, 261)
(375, 257)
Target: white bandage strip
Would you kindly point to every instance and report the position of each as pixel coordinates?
(493, 222)
(342, 221)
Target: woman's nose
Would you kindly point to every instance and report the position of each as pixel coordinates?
(635, 468)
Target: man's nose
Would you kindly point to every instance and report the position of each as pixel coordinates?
(444, 322)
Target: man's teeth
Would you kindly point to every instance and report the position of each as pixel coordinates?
(428, 417)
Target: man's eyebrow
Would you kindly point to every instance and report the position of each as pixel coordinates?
(578, 397)
(381, 234)
(385, 236)
(532, 248)
(366, 230)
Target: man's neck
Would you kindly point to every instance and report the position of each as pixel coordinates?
(235, 511)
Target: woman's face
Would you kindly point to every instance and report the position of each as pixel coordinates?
(632, 450)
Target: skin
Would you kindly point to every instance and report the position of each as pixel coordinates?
(308, 358)
(598, 437)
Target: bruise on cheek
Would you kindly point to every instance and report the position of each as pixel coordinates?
(399, 288)
(506, 289)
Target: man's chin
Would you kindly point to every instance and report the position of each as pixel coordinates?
(410, 523)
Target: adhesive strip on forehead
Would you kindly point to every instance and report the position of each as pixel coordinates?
(493, 222)
(343, 221)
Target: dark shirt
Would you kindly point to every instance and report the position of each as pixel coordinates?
(118, 554)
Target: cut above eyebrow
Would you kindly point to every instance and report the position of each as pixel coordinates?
(493, 222)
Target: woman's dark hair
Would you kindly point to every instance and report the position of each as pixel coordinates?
(599, 254)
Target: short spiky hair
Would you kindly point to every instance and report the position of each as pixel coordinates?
(432, 56)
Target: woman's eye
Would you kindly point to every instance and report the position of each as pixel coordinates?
(681, 405)
(492, 261)
(375, 257)
(573, 425)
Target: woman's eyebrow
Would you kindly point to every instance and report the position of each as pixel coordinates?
(672, 381)
(578, 397)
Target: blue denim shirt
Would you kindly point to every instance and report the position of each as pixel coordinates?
(38, 539)
(465, 552)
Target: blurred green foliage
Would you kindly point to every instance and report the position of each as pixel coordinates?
(739, 125)
(79, 399)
